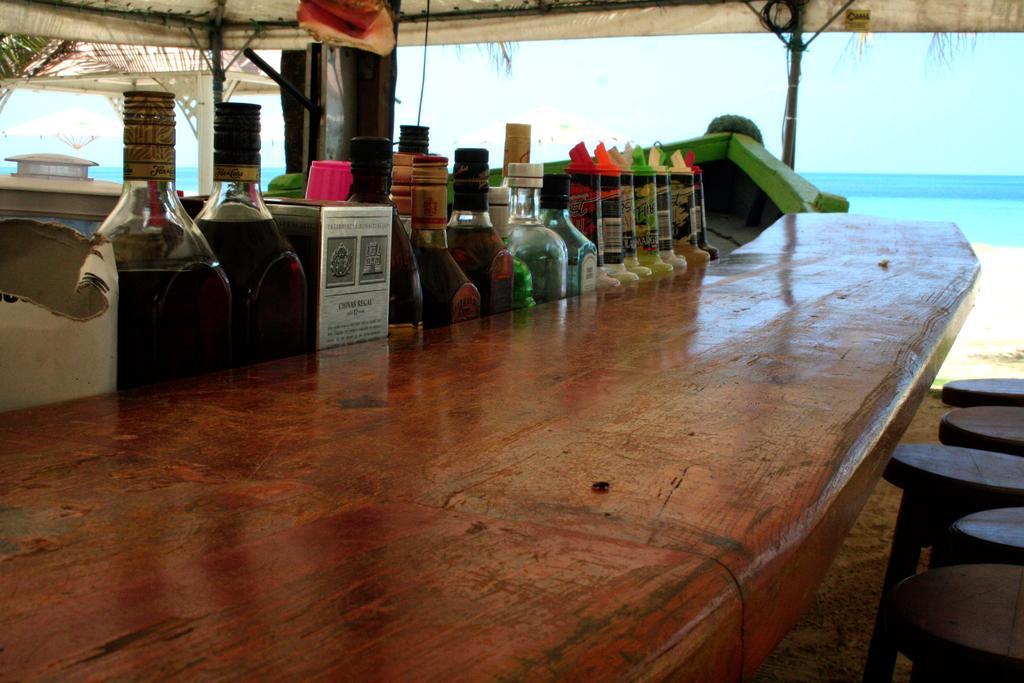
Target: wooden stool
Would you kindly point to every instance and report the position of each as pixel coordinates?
(964, 393)
(960, 623)
(989, 536)
(940, 485)
(988, 428)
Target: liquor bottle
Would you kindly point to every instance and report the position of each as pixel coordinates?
(629, 258)
(518, 139)
(401, 188)
(681, 176)
(701, 225)
(522, 281)
(554, 215)
(371, 184)
(610, 222)
(585, 205)
(174, 307)
(472, 241)
(448, 295)
(268, 286)
(543, 251)
(414, 139)
(645, 200)
(658, 160)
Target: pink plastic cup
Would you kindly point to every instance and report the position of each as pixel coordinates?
(329, 180)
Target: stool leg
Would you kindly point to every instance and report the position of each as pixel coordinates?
(903, 559)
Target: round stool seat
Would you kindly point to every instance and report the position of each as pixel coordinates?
(944, 472)
(988, 428)
(964, 393)
(960, 623)
(988, 536)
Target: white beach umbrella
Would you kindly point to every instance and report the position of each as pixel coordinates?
(550, 127)
(74, 127)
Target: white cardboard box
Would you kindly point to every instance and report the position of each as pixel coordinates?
(345, 250)
(58, 314)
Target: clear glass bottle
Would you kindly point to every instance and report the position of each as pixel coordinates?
(522, 281)
(543, 251)
(448, 295)
(371, 184)
(268, 286)
(472, 240)
(554, 215)
(174, 306)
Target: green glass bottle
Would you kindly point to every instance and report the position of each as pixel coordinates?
(522, 281)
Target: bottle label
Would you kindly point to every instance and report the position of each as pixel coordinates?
(230, 173)
(148, 170)
(628, 222)
(501, 282)
(664, 203)
(588, 273)
(429, 206)
(611, 225)
(583, 210)
(646, 218)
(697, 216)
(682, 193)
(465, 303)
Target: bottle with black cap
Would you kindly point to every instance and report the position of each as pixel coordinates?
(268, 285)
(413, 139)
(174, 300)
(371, 183)
(472, 240)
(554, 214)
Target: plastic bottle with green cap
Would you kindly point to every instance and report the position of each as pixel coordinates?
(659, 161)
(543, 251)
(629, 258)
(645, 201)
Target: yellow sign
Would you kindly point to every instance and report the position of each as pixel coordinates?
(858, 20)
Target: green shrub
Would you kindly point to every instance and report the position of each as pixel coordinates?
(732, 123)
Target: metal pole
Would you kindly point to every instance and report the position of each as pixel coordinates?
(795, 49)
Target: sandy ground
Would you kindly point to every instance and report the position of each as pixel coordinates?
(830, 641)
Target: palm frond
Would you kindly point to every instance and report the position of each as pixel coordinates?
(25, 56)
(946, 48)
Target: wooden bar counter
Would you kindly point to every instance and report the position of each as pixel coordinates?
(423, 508)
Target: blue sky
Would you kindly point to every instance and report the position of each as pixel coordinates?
(893, 110)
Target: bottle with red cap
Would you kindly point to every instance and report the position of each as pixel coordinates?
(448, 295)
(585, 205)
(700, 214)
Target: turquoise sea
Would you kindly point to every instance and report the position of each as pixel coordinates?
(989, 209)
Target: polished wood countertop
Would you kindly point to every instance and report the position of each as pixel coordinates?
(422, 507)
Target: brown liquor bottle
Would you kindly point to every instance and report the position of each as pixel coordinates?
(268, 285)
(371, 183)
(174, 307)
(472, 240)
(448, 295)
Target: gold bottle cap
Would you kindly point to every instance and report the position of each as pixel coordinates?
(148, 135)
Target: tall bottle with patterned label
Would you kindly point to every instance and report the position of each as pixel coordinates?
(582, 254)
(645, 201)
(700, 213)
(629, 258)
(174, 307)
(472, 240)
(448, 295)
(585, 205)
(610, 194)
(543, 251)
(658, 160)
(683, 238)
(268, 286)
